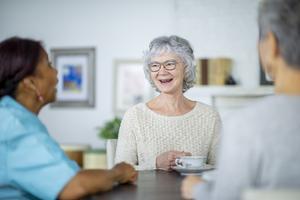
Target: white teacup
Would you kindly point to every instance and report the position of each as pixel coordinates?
(190, 161)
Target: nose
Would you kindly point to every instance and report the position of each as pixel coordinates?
(162, 70)
(55, 72)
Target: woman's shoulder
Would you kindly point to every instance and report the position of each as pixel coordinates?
(15, 123)
(11, 117)
(140, 107)
(204, 108)
(136, 110)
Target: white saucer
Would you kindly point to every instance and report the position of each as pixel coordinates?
(193, 170)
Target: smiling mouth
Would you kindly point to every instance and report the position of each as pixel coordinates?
(165, 81)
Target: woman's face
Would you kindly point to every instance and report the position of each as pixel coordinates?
(168, 81)
(46, 76)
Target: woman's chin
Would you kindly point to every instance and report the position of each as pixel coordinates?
(52, 99)
(166, 90)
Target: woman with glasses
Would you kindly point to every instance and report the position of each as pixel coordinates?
(153, 134)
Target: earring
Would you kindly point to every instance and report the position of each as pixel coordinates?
(30, 84)
(39, 96)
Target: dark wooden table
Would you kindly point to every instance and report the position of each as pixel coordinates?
(151, 185)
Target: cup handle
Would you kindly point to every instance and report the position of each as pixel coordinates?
(178, 162)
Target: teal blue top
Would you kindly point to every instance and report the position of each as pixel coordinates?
(32, 165)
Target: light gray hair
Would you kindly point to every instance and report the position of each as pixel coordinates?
(282, 18)
(177, 45)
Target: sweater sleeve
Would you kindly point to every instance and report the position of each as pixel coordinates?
(237, 164)
(213, 149)
(127, 147)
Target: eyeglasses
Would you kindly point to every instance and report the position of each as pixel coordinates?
(168, 65)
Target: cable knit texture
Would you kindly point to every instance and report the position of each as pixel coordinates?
(145, 134)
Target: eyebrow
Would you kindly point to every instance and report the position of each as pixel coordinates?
(173, 60)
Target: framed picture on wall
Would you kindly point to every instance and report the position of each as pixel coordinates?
(76, 75)
(131, 87)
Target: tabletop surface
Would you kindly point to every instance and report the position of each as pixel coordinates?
(158, 185)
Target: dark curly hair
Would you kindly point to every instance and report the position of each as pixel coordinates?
(18, 59)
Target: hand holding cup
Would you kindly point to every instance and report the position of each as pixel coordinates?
(166, 160)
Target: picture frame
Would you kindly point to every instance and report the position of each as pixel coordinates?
(130, 85)
(76, 75)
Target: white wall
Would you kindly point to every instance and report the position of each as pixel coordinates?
(222, 28)
(123, 29)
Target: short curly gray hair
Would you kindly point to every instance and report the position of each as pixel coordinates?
(177, 45)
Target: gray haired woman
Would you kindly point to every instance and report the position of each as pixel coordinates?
(153, 134)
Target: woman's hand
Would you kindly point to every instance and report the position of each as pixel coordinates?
(187, 186)
(125, 173)
(167, 159)
(91, 181)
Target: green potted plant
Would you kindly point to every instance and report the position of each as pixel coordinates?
(109, 131)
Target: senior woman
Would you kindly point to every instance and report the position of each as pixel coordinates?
(153, 134)
(31, 162)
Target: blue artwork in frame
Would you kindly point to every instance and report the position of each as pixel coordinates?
(76, 71)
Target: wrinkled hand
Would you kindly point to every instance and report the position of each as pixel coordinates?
(167, 159)
(187, 186)
(125, 172)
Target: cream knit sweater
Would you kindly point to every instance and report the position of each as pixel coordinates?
(145, 134)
